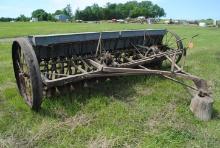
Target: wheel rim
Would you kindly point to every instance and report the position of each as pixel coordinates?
(171, 42)
(23, 73)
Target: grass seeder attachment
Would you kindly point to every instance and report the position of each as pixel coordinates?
(47, 64)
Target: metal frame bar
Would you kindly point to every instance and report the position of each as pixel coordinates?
(105, 71)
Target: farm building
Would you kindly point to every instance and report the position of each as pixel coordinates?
(62, 18)
(202, 24)
(34, 19)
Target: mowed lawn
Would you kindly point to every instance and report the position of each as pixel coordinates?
(136, 111)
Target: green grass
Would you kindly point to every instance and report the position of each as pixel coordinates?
(8, 30)
(132, 111)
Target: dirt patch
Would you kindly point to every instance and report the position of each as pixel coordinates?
(47, 130)
(79, 119)
(143, 90)
(101, 142)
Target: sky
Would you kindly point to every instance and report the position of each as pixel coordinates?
(176, 9)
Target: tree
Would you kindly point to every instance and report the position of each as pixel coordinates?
(78, 14)
(22, 18)
(40, 14)
(58, 12)
(6, 19)
(157, 11)
(68, 11)
(50, 17)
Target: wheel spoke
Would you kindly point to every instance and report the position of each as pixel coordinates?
(24, 73)
(170, 39)
(170, 42)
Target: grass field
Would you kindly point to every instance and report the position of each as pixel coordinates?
(132, 111)
(8, 30)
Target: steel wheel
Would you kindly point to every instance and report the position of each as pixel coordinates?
(27, 73)
(171, 41)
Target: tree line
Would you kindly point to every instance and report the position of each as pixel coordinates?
(41, 15)
(21, 18)
(130, 9)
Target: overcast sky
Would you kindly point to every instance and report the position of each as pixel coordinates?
(178, 9)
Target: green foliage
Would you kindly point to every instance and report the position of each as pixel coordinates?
(22, 18)
(130, 9)
(50, 17)
(6, 19)
(58, 12)
(68, 11)
(90, 13)
(40, 14)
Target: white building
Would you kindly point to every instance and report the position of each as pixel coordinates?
(202, 24)
(34, 19)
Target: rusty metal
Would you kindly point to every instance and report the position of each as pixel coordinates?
(53, 61)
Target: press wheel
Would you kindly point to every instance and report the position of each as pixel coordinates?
(171, 41)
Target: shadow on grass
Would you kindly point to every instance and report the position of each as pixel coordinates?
(102, 93)
(217, 54)
(216, 115)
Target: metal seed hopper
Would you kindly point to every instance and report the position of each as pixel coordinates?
(47, 63)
